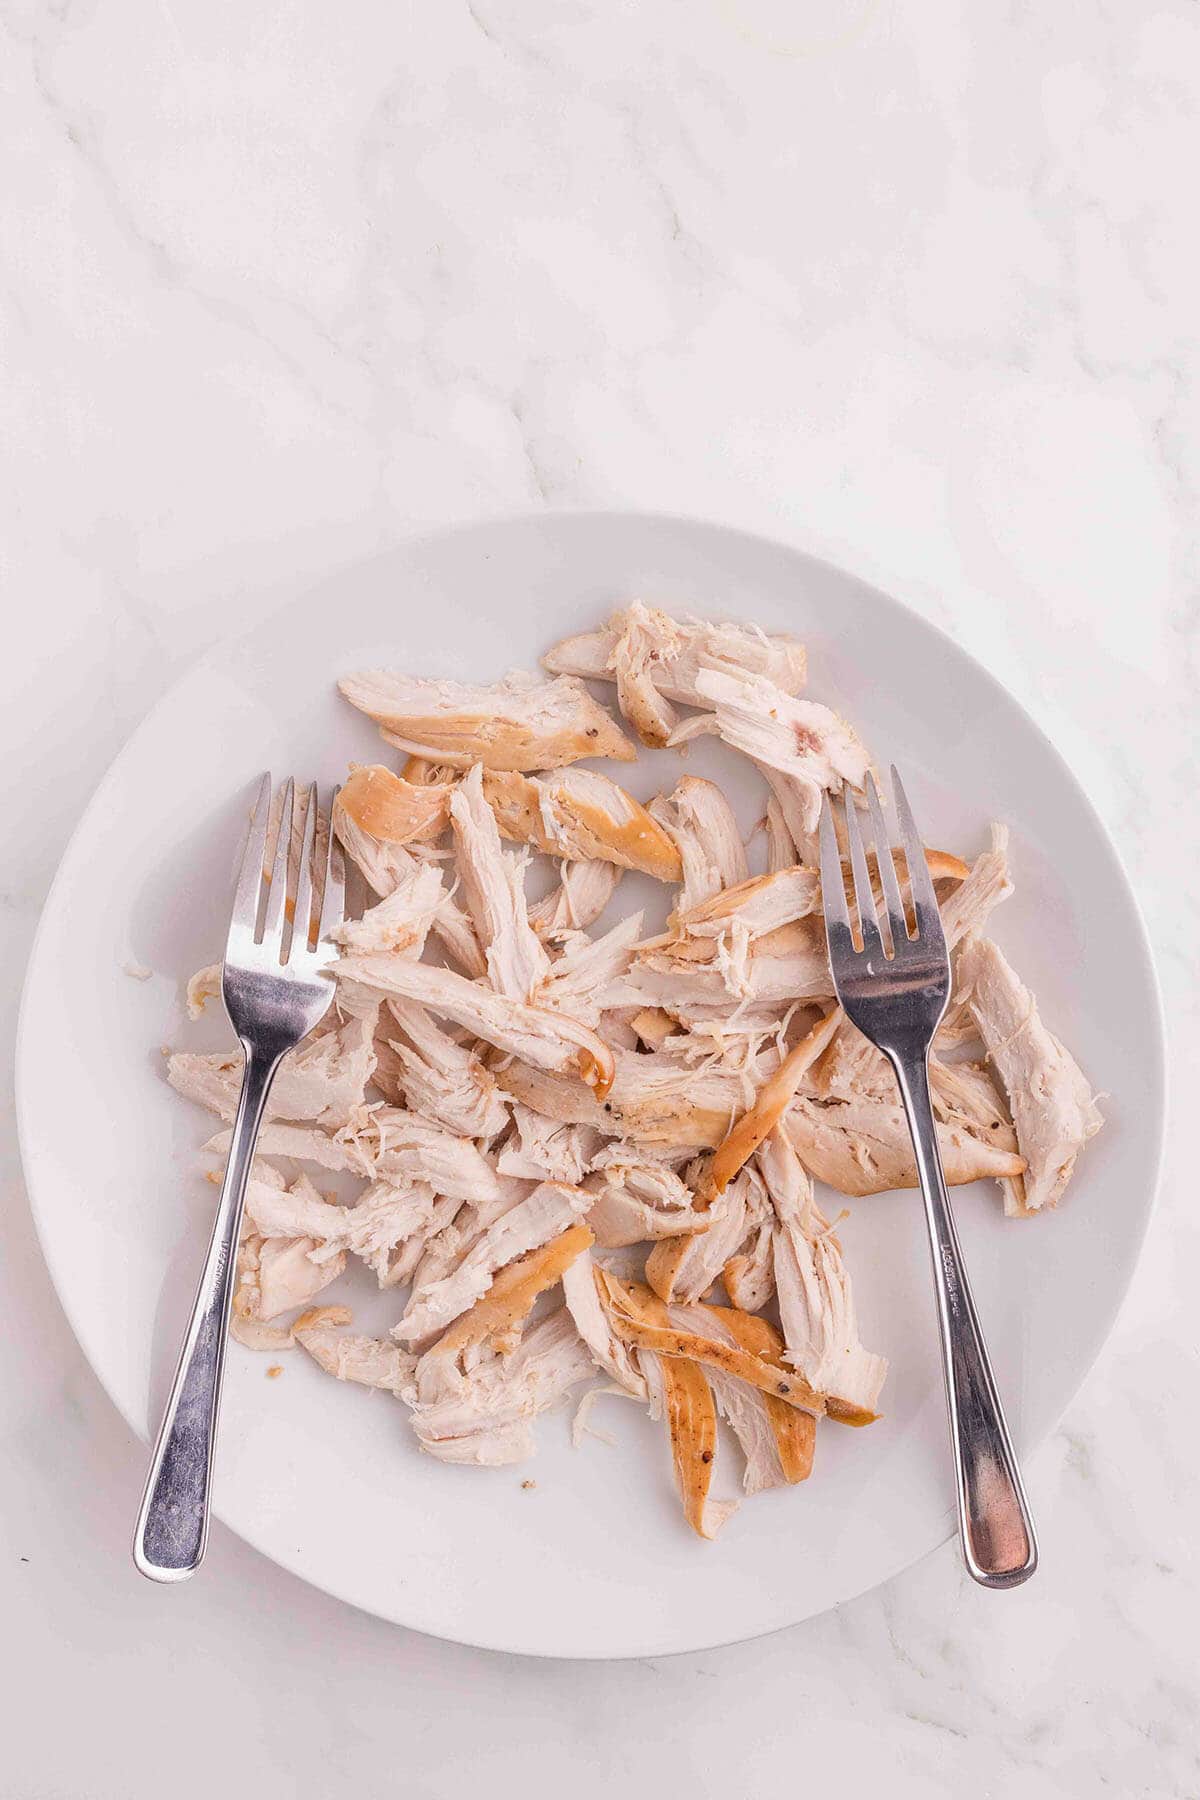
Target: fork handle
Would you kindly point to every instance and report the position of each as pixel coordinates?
(993, 1513)
(172, 1526)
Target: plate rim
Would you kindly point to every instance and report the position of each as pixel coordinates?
(1155, 1101)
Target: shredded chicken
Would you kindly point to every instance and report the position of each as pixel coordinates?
(519, 723)
(1052, 1105)
(526, 1108)
(642, 648)
(582, 817)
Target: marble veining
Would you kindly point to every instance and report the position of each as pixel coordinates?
(913, 284)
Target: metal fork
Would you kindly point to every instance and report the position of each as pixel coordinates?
(276, 989)
(895, 988)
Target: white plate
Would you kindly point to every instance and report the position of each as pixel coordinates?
(595, 1560)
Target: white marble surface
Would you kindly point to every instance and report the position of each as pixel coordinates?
(912, 283)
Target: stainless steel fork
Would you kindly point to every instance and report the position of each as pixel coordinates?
(895, 988)
(276, 989)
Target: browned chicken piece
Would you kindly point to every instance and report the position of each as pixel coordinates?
(583, 891)
(636, 1201)
(439, 1077)
(860, 1145)
(518, 723)
(700, 822)
(582, 817)
(1053, 1107)
(401, 922)
(631, 1306)
(422, 773)
(548, 1210)
(392, 810)
(654, 659)
(493, 885)
(490, 1423)
(680, 1394)
(323, 1078)
(385, 866)
(816, 1305)
(547, 1039)
(776, 1440)
(815, 750)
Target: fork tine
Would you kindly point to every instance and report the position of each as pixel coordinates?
(277, 895)
(302, 911)
(249, 882)
(919, 879)
(886, 864)
(333, 896)
(833, 890)
(864, 899)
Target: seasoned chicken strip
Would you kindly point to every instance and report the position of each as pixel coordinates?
(1052, 1104)
(816, 1306)
(641, 644)
(493, 884)
(547, 1039)
(700, 822)
(776, 1440)
(631, 1306)
(518, 723)
(390, 809)
(583, 817)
